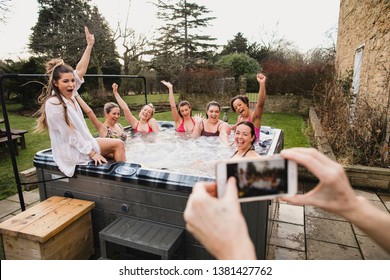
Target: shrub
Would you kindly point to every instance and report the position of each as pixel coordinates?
(356, 138)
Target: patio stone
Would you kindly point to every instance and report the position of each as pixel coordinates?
(290, 214)
(312, 211)
(370, 195)
(371, 250)
(288, 236)
(330, 231)
(386, 200)
(319, 250)
(7, 207)
(28, 196)
(279, 253)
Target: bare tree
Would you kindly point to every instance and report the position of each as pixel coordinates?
(134, 47)
(4, 10)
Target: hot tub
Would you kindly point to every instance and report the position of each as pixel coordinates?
(150, 193)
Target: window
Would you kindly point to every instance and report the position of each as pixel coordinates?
(356, 79)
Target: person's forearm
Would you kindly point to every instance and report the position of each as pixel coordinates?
(373, 221)
(82, 66)
(261, 95)
(120, 101)
(243, 251)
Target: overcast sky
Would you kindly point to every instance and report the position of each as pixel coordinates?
(306, 23)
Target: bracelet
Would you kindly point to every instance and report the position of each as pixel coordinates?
(76, 96)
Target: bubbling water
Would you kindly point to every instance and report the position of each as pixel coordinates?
(177, 152)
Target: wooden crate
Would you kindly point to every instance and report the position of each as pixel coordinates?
(58, 228)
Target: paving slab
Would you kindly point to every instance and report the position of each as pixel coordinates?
(313, 211)
(370, 195)
(331, 231)
(288, 236)
(7, 207)
(289, 213)
(29, 197)
(386, 200)
(280, 253)
(319, 250)
(371, 250)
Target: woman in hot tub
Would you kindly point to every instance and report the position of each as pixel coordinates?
(146, 122)
(240, 104)
(212, 125)
(244, 138)
(182, 114)
(110, 128)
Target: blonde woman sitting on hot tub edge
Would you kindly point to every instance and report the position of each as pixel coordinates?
(212, 125)
(146, 122)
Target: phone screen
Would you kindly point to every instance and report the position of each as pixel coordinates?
(259, 178)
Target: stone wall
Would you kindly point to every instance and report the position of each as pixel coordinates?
(366, 23)
(293, 104)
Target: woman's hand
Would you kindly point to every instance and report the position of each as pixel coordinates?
(333, 193)
(167, 84)
(198, 118)
(97, 158)
(218, 222)
(115, 88)
(261, 78)
(89, 37)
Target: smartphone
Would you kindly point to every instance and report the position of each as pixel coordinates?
(260, 178)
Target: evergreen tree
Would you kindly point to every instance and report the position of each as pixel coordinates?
(240, 44)
(180, 41)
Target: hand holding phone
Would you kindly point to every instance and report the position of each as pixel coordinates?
(258, 178)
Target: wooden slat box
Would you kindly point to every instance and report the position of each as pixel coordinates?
(58, 228)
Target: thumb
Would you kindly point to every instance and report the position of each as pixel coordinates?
(231, 192)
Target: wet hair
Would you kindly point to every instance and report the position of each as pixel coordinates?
(54, 69)
(184, 103)
(212, 103)
(109, 106)
(243, 98)
(252, 127)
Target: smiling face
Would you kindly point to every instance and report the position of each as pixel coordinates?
(240, 107)
(213, 113)
(66, 84)
(243, 137)
(185, 111)
(146, 113)
(113, 115)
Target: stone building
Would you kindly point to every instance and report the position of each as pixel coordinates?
(363, 52)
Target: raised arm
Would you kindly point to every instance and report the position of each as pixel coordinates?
(91, 115)
(126, 110)
(175, 114)
(82, 66)
(258, 113)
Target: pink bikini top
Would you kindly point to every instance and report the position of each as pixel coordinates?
(181, 127)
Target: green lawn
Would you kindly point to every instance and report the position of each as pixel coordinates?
(292, 125)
